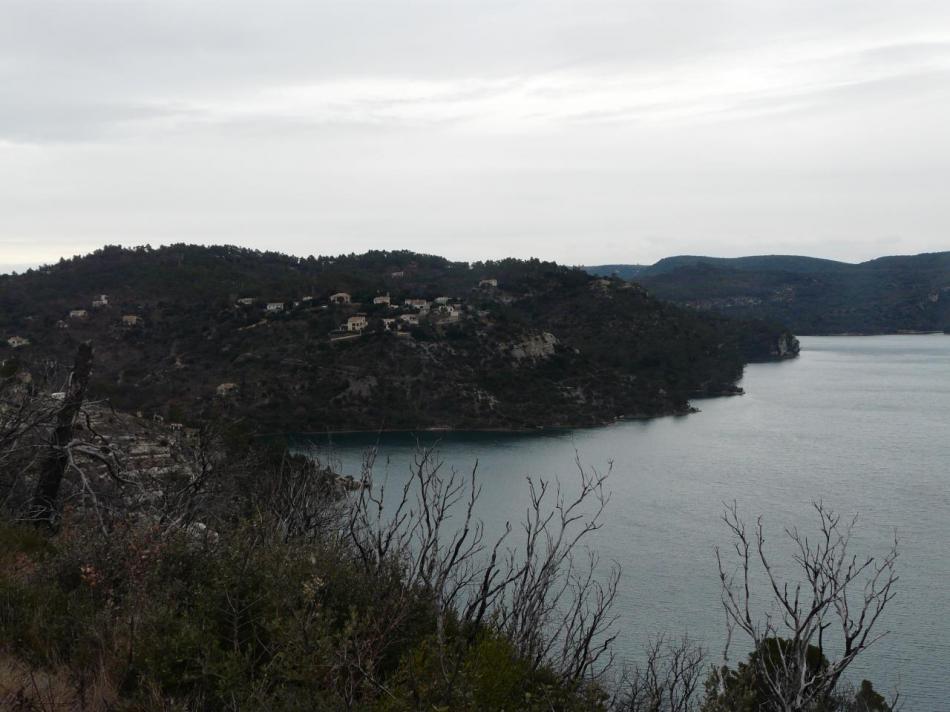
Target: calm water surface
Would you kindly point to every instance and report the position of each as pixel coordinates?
(862, 423)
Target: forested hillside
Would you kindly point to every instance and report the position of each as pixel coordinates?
(810, 296)
(191, 333)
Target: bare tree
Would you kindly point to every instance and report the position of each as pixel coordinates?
(542, 593)
(553, 607)
(25, 419)
(832, 608)
(667, 681)
(56, 457)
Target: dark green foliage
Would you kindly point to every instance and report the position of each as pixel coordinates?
(245, 621)
(743, 689)
(619, 352)
(810, 296)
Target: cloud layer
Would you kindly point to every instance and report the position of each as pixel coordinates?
(585, 132)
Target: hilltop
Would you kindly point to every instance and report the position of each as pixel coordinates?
(811, 296)
(283, 343)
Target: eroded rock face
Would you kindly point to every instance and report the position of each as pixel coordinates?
(535, 347)
(786, 346)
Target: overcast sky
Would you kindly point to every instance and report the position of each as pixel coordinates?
(585, 132)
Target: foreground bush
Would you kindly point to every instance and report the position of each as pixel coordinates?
(238, 621)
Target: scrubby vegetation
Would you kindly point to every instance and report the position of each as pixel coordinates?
(549, 346)
(251, 580)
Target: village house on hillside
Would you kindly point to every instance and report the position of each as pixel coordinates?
(246, 301)
(389, 324)
(275, 307)
(447, 312)
(417, 303)
(443, 300)
(61, 324)
(101, 301)
(18, 342)
(490, 283)
(78, 314)
(226, 390)
(356, 323)
(409, 319)
(340, 298)
(131, 320)
(382, 299)
(397, 275)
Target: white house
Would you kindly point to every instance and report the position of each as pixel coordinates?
(490, 283)
(383, 299)
(409, 319)
(62, 324)
(443, 300)
(417, 303)
(356, 323)
(131, 320)
(101, 301)
(275, 307)
(17, 342)
(246, 301)
(340, 298)
(389, 324)
(78, 314)
(397, 275)
(226, 390)
(447, 312)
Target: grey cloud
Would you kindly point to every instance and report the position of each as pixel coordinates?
(588, 131)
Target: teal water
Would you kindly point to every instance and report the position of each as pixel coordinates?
(862, 423)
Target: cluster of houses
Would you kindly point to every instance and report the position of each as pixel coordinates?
(99, 302)
(442, 309)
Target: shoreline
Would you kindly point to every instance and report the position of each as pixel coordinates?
(540, 429)
(876, 333)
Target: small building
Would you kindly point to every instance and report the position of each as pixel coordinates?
(417, 303)
(340, 298)
(443, 300)
(356, 323)
(246, 301)
(382, 299)
(490, 283)
(447, 312)
(227, 390)
(306, 299)
(101, 301)
(397, 275)
(275, 307)
(78, 314)
(18, 342)
(389, 324)
(411, 319)
(61, 324)
(131, 320)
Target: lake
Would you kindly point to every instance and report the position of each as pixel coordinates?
(861, 423)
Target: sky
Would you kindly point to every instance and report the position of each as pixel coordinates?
(585, 132)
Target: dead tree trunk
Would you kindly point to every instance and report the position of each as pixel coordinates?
(54, 460)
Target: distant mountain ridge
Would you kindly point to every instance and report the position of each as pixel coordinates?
(893, 294)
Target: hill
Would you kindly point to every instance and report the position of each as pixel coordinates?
(809, 295)
(192, 333)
